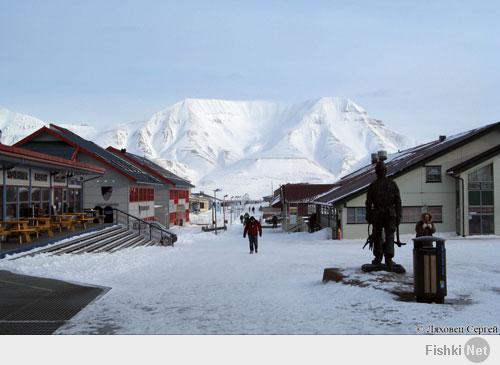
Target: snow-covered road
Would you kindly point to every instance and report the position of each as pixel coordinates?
(209, 284)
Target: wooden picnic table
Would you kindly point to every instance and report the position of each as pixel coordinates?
(81, 218)
(21, 228)
(42, 224)
(64, 221)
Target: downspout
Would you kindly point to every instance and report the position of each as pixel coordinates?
(462, 193)
(4, 195)
(463, 204)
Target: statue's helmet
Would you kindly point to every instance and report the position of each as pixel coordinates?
(380, 169)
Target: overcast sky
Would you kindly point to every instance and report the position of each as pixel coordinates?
(423, 67)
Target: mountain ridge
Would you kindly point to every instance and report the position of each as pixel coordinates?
(240, 145)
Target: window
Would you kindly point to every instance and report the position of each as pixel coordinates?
(17, 175)
(60, 178)
(481, 202)
(11, 202)
(356, 215)
(414, 214)
(134, 195)
(141, 194)
(433, 174)
(24, 208)
(41, 177)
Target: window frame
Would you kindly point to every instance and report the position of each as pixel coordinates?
(427, 168)
(357, 215)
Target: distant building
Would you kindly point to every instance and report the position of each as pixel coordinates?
(456, 179)
(296, 204)
(201, 202)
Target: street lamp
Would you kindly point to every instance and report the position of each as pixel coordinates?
(215, 207)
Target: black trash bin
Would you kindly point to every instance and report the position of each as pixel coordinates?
(429, 269)
(108, 214)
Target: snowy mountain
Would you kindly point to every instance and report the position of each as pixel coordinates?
(15, 126)
(245, 146)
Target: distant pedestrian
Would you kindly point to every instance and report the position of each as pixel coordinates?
(312, 223)
(241, 219)
(425, 227)
(274, 221)
(253, 210)
(254, 229)
(246, 218)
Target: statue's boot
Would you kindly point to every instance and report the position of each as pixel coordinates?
(390, 264)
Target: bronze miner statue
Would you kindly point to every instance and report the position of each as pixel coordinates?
(383, 213)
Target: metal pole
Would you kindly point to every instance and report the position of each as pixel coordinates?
(215, 208)
(224, 210)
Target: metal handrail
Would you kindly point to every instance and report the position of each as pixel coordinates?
(163, 236)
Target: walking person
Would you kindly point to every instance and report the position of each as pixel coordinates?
(253, 229)
(274, 221)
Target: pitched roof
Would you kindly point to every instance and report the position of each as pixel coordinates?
(474, 160)
(397, 164)
(159, 171)
(203, 195)
(116, 163)
(303, 193)
(28, 155)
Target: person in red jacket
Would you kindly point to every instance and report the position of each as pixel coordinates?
(253, 228)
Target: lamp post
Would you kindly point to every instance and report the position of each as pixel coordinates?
(231, 206)
(215, 208)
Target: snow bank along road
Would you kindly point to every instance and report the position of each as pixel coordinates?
(209, 284)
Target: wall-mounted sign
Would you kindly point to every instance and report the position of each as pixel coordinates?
(143, 208)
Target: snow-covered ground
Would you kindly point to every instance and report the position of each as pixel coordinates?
(209, 284)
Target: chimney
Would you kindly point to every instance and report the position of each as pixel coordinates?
(382, 155)
(442, 138)
(123, 150)
(374, 158)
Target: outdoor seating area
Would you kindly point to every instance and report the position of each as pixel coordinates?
(29, 229)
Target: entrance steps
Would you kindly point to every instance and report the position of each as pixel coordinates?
(110, 239)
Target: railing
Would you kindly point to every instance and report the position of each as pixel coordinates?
(143, 227)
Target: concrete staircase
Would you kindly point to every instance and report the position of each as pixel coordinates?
(109, 239)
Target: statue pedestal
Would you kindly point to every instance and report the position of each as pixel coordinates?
(396, 268)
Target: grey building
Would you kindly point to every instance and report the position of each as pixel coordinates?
(171, 197)
(122, 185)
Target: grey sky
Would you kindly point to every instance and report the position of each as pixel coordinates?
(424, 67)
